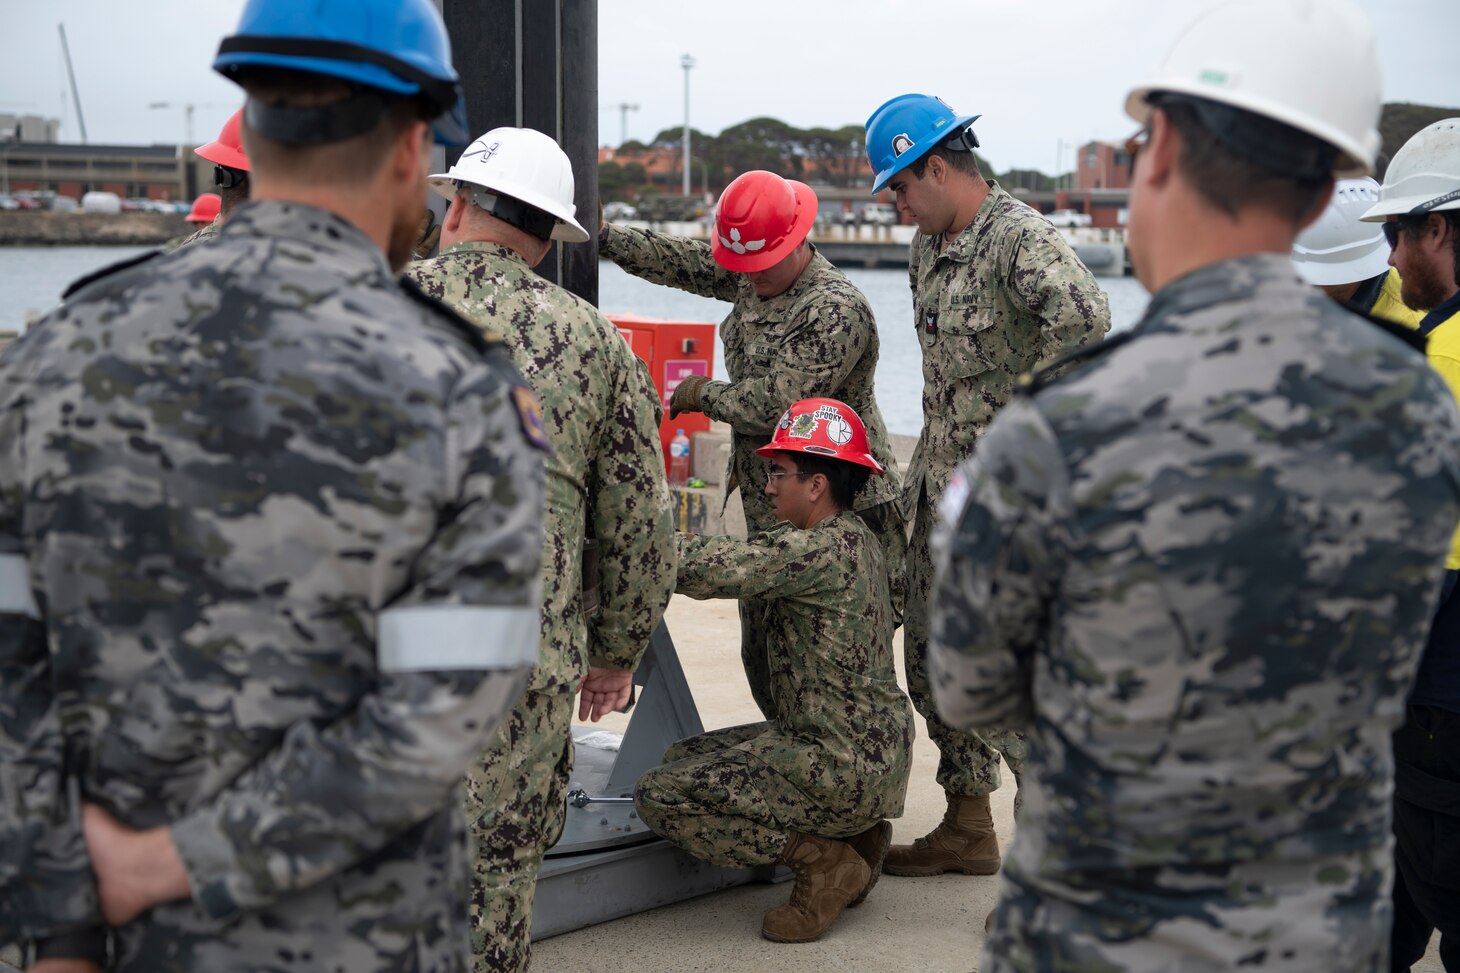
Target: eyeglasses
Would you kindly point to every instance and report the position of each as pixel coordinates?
(1392, 228)
(774, 475)
(1133, 146)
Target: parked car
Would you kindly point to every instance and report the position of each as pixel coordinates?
(1069, 217)
(880, 214)
(64, 204)
(101, 202)
(7, 202)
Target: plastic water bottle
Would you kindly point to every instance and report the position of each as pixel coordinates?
(679, 459)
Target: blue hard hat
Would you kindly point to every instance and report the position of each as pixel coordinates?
(903, 130)
(396, 46)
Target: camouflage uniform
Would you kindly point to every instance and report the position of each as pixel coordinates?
(205, 232)
(1003, 296)
(270, 531)
(836, 758)
(606, 474)
(817, 339)
(1201, 569)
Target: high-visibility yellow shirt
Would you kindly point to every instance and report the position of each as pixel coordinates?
(1442, 327)
(1388, 306)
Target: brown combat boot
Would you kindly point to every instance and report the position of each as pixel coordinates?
(872, 845)
(829, 874)
(964, 842)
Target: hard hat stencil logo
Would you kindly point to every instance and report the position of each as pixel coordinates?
(486, 151)
(733, 243)
(901, 143)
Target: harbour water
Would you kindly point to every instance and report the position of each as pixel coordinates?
(32, 278)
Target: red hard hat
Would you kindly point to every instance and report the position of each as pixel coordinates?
(227, 148)
(822, 427)
(759, 220)
(205, 208)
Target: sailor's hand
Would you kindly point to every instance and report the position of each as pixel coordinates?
(686, 397)
(135, 870)
(428, 235)
(604, 691)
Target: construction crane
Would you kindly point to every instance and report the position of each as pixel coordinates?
(71, 73)
(623, 108)
(188, 107)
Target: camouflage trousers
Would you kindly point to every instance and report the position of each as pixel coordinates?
(515, 806)
(885, 520)
(730, 808)
(968, 763)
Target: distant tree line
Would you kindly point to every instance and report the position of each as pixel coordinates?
(831, 156)
(837, 156)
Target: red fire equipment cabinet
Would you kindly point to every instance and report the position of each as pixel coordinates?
(672, 350)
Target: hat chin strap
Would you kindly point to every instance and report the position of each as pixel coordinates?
(514, 212)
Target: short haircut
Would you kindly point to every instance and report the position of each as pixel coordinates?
(959, 159)
(845, 480)
(232, 195)
(1228, 180)
(347, 162)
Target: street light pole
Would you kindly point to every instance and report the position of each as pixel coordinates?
(686, 62)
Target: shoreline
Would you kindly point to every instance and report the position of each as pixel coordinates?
(23, 228)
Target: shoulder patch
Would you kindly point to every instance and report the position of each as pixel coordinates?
(529, 414)
(107, 271)
(1028, 384)
(479, 338)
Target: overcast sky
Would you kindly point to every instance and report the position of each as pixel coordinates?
(1039, 71)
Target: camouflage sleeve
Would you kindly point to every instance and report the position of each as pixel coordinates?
(631, 521)
(453, 651)
(1051, 282)
(815, 356)
(998, 549)
(781, 562)
(668, 260)
(46, 884)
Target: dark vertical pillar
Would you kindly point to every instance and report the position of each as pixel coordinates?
(534, 63)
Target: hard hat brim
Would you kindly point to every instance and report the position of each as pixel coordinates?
(567, 229)
(1370, 261)
(1401, 205)
(1353, 158)
(223, 155)
(750, 263)
(861, 459)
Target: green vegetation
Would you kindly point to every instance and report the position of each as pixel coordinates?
(836, 157)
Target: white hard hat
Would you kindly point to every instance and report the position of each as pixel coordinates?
(1338, 249)
(1425, 174)
(522, 163)
(1310, 64)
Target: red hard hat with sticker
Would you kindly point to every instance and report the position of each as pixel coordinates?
(759, 220)
(822, 427)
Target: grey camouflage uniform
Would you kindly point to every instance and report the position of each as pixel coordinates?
(270, 530)
(817, 339)
(601, 413)
(1007, 293)
(835, 760)
(1201, 570)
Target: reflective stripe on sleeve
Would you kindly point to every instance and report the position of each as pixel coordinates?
(16, 597)
(456, 637)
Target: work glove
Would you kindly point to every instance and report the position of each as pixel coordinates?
(686, 397)
(428, 236)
